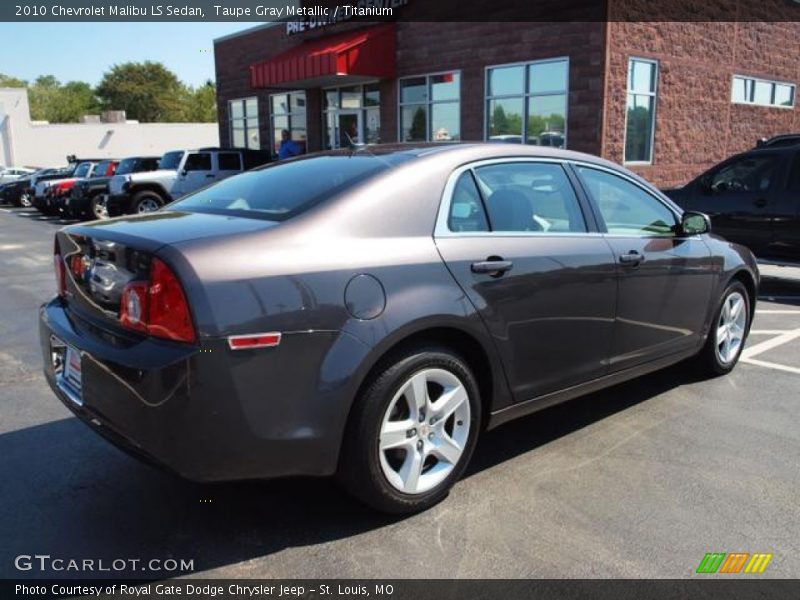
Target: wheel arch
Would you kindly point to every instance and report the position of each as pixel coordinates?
(150, 187)
(748, 280)
(479, 358)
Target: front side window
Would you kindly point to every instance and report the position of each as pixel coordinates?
(640, 115)
(289, 113)
(529, 197)
(749, 90)
(625, 207)
(744, 174)
(243, 121)
(528, 103)
(430, 108)
(198, 161)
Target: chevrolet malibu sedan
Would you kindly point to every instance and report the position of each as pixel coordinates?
(367, 313)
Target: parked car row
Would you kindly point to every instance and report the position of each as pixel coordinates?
(92, 188)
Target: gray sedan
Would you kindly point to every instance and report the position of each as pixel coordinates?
(367, 313)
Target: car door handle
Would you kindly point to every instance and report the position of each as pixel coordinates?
(492, 267)
(632, 258)
(761, 202)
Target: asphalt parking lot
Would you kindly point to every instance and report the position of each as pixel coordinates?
(640, 480)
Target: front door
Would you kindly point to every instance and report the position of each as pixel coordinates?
(345, 128)
(665, 279)
(197, 172)
(516, 240)
(736, 195)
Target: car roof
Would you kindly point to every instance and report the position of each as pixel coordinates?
(469, 151)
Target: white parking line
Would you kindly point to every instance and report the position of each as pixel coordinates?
(769, 331)
(779, 340)
(771, 365)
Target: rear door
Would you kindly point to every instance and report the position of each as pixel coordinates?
(521, 244)
(197, 172)
(665, 280)
(786, 213)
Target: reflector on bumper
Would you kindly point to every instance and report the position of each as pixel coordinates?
(255, 340)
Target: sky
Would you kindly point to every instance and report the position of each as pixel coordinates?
(84, 51)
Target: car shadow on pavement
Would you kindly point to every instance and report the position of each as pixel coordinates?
(69, 494)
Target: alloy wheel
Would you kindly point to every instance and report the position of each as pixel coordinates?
(25, 200)
(731, 328)
(147, 205)
(424, 431)
(99, 209)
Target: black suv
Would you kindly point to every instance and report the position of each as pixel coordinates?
(753, 199)
(89, 196)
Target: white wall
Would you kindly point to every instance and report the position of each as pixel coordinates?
(25, 143)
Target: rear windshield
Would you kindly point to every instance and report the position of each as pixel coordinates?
(284, 190)
(170, 160)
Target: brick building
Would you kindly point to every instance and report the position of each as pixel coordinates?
(668, 99)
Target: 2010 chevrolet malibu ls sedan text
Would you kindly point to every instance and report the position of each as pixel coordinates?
(366, 313)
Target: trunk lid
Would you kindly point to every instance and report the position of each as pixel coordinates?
(101, 258)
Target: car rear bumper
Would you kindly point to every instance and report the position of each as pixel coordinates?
(204, 412)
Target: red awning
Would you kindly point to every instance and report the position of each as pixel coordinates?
(365, 53)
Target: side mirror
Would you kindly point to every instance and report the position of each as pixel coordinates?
(695, 223)
(184, 172)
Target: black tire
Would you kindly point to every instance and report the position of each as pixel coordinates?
(708, 360)
(143, 198)
(360, 470)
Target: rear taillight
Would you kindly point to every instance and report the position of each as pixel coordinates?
(158, 306)
(61, 276)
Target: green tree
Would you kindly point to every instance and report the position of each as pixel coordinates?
(6, 81)
(51, 101)
(418, 126)
(146, 91)
(203, 103)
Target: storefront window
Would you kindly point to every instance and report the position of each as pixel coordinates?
(430, 108)
(640, 112)
(528, 102)
(352, 115)
(288, 112)
(243, 120)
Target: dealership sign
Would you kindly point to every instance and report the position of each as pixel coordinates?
(317, 17)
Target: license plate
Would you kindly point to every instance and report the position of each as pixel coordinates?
(72, 371)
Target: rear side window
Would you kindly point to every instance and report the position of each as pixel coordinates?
(522, 196)
(200, 161)
(229, 161)
(625, 207)
(284, 190)
(466, 208)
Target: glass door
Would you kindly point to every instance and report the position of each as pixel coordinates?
(345, 127)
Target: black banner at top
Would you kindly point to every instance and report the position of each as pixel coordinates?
(324, 11)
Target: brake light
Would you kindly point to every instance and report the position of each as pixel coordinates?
(158, 306)
(58, 265)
